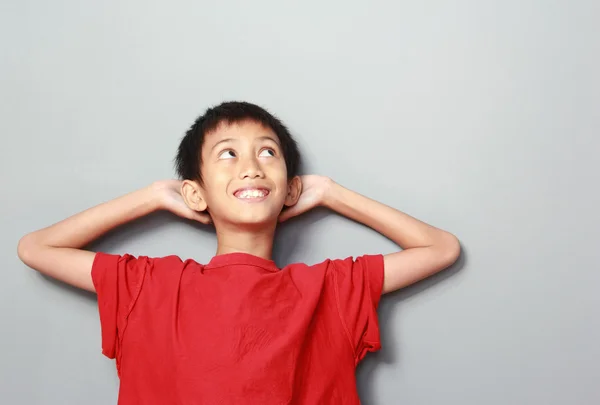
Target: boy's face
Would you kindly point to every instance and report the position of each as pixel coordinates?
(244, 175)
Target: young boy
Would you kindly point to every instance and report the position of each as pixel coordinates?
(238, 330)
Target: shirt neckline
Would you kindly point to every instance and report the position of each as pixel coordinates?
(241, 258)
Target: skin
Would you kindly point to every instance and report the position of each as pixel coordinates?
(240, 156)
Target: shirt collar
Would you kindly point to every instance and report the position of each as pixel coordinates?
(241, 258)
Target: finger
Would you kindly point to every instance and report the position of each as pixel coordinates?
(204, 218)
(287, 214)
(201, 217)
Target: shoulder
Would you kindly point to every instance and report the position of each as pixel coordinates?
(129, 258)
(131, 263)
(365, 272)
(369, 265)
(340, 264)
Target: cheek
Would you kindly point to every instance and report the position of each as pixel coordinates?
(215, 184)
(217, 172)
(276, 170)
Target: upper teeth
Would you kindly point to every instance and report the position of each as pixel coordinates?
(251, 194)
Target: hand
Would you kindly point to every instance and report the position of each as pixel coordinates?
(314, 192)
(169, 195)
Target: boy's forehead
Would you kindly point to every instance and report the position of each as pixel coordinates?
(237, 130)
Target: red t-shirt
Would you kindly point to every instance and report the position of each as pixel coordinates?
(237, 330)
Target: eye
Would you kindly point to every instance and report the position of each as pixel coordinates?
(267, 153)
(227, 154)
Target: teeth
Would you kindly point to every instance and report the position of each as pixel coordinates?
(251, 194)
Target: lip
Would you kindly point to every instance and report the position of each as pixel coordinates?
(257, 199)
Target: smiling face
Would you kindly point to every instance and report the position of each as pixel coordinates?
(245, 179)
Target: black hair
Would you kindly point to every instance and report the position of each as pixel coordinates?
(189, 153)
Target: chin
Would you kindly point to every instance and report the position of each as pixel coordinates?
(252, 220)
(252, 215)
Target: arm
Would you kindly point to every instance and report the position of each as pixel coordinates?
(426, 249)
(57, 250)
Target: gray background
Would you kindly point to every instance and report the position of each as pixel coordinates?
(479, 117)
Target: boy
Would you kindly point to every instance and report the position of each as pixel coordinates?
(238, 330)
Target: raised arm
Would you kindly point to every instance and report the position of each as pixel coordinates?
(57, 250)
(425, 249)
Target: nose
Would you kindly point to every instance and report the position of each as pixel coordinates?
(250, 169)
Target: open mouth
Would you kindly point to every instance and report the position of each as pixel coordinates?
(251, 194)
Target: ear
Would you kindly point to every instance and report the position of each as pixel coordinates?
(192, 195)
(294, 191)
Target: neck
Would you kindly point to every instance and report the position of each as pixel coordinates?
(255, 241)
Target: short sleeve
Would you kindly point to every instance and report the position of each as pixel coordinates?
(118, 281)
(359, 285)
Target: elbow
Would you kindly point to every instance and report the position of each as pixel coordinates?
(26, 248)
(450, 247)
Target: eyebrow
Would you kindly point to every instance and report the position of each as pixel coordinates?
(220, 142)
(262, 138)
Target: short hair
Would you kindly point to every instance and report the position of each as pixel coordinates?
(189, 153)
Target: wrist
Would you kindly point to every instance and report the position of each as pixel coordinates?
(154, 194)
(331, 193)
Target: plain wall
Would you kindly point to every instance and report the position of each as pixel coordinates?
(479, 117)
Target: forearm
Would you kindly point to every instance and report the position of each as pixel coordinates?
(81, 229)
(57, 250)
(401, 228)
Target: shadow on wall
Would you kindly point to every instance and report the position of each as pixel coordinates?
(389, 303)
